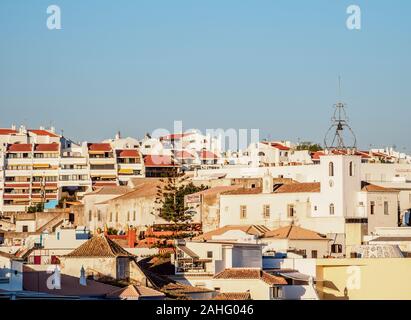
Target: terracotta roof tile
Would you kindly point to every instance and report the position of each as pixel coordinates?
(368, 187)
(159, 161)
(256, 230)
(293, 232)
(299, 187)
(43, 133)
(47, 147)
(7, 131)
(250, 274)
(232, 296)
(99, 246)
(183, 155)
(99, 147)
(134, 292)
(19, 147)
(207, 155)
(244, 191)
(128, 153)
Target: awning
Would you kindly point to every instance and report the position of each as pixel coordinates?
(41, 165)
(126, 171)
(104, 176)
(295, 276)
(188, 252)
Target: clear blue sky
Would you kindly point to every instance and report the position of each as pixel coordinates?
(138, 65)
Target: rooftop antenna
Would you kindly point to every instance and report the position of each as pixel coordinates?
(339, 126)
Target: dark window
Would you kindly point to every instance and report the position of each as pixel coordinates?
(314, 254)
(372, 207)
(25, 229)
(209, 254)
(336, 248)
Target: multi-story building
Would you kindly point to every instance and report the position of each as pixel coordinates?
(39, 166)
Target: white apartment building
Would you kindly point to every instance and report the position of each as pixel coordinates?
(39, 166)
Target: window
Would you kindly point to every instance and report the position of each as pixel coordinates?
(314, 254)
(372, 207)
(315, 208)
(243, 212)
(111, 216)
(128, 216)
(209, 254)
(98, 215)
(116, 216)
(266, 211)
(386, 211)
(25, 228)
(134, 215)
(331, 169)
(336, 248)
(90, 215)
(290, 210)
(332, 209)
(351, 169)
(277, 292)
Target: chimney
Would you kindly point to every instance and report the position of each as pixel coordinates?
(83, 280)
(118, 135)
(131, 237)
(22, 129)
(268, 183)
(13, 127)
(41, 128)
(53, 129)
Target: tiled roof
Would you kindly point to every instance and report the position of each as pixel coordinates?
(34, 280)
(293, 232)
(250, 274)
(159, 161)
(43, 133)
(207, 155)
(99, 246)
(184, 155)
(244, 191)
(232, 296)
(180, 288)
(145, 189)
(19, 147)
(217, 190)
(99, 147)
(134, 292)
(108, 190)
(277, 145)
(128, 153)
(7, 131)
(176, 136)
(49, 147)
(299, 187)
(368, 187)
(255, 230)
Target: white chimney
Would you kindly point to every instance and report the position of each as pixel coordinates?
(268, 183)
(41, 128)
(83, 280)
(53, 129)
(13, 127)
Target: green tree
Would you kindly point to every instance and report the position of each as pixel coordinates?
(312, 147)
(170, 197)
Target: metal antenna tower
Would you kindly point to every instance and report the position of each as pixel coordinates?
(336, 136)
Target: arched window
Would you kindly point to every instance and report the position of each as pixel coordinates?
(351, 169)
(261, 154)
(331, 169)
(331, 209)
